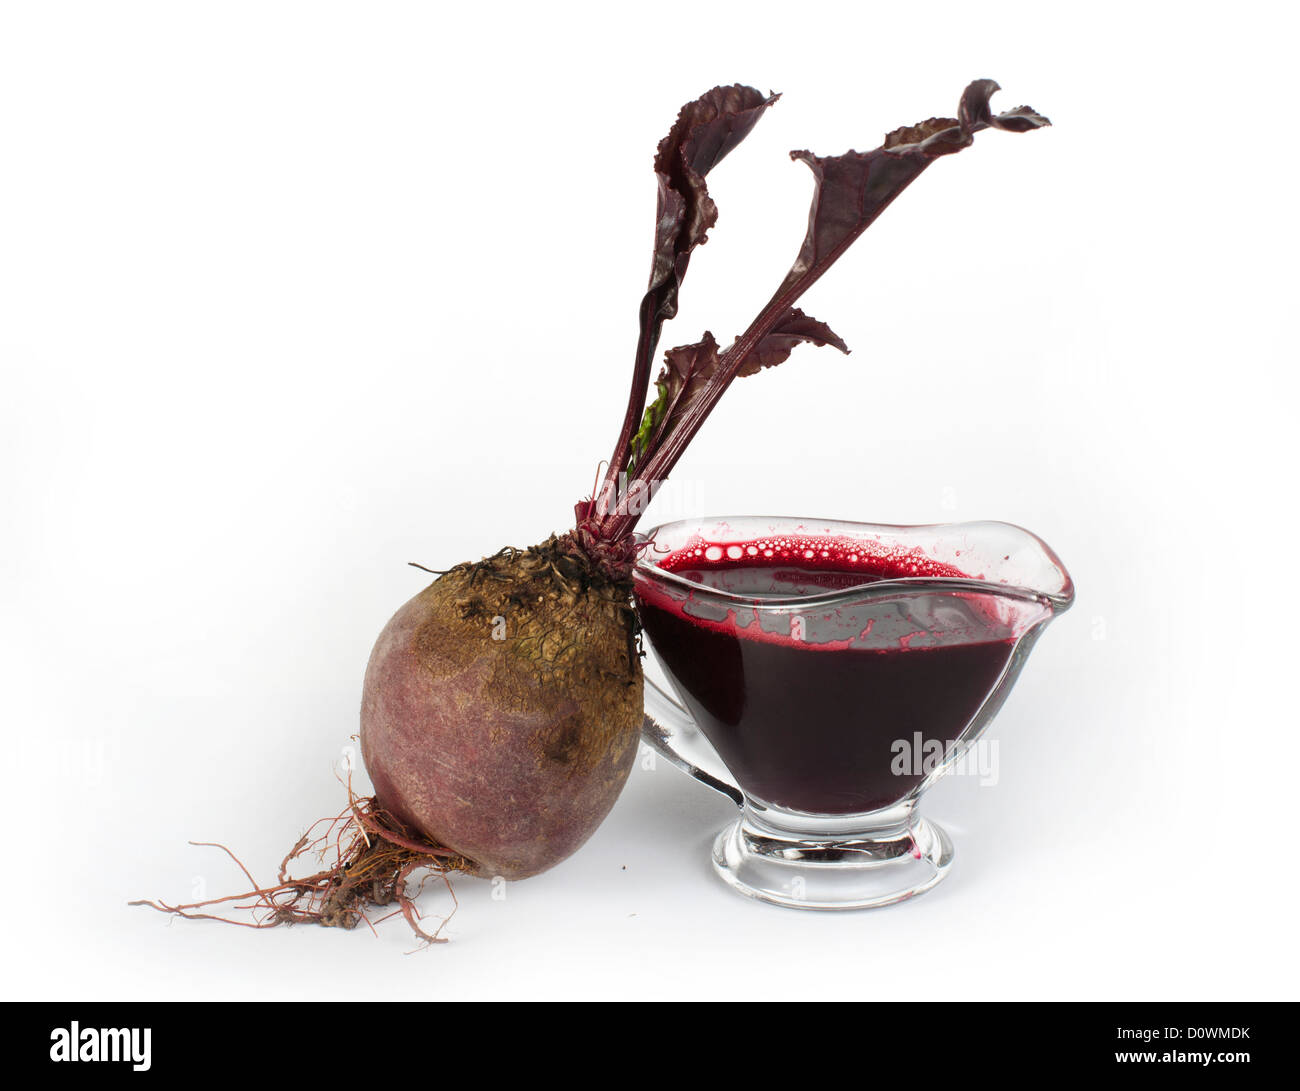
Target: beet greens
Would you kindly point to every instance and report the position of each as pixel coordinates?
(849, 192)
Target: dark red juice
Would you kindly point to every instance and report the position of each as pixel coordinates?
(808, 719)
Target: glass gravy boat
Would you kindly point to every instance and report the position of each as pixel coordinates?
(827, 673)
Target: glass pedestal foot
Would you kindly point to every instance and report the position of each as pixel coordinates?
(844, 862)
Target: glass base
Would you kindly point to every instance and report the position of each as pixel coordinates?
(831, 862)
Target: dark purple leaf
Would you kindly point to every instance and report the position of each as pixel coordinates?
(851, 190)
(706, 130)
(689, 371)
(776, 346)
(704, 133)
(976, 114)
(686, 370)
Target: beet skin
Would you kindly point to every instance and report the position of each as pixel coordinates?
(502, 708)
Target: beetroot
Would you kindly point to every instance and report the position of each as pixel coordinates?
(520, 675)
(502, 705)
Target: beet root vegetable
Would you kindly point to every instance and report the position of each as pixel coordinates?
(502, 705)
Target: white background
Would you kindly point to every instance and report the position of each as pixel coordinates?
(292, 294)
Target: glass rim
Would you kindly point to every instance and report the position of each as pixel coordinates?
(1059, 600)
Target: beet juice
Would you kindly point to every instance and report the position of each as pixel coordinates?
(807, 705)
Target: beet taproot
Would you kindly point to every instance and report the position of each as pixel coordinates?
(502, 707)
